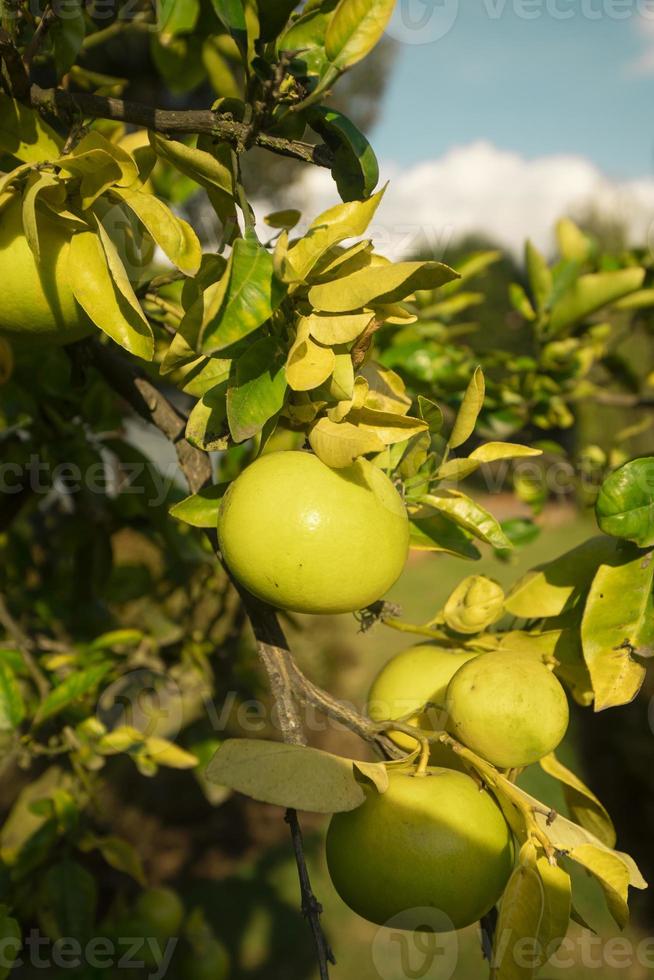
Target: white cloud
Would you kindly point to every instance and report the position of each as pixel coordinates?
(643, 65)
(481, 188)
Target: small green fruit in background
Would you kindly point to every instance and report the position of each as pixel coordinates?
(211, 962)
(434, 841)
(161, 910)
(408, 681)
(509, 708)
(312, 539)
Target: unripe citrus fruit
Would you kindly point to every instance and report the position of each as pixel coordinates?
(434, 841)
(312, 539)
(407, 682)
(508, 708)
(38, 300)
(161, 910)
(209, 963)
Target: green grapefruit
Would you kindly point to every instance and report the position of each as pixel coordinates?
(37, 299)
(312, 539)
(508, 708)
(434, 841)
(410, 680)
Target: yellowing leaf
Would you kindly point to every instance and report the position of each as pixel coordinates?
(545, 591)
(354, 29)
(165, 753)
(469, 515)
(24, 134)
(573, 244)
(618, 624)
(612, 876)
(175, 237)
(584, 805)
(95, 291)
(338, 329)
(490, 452)
(332, 226)
(37, 185)
(469, 410)
(592, 292)
(385, 283)
(339, 443)
(387, 426)
(287, 775)
(308, 363)
(540, 276)
(197, 164)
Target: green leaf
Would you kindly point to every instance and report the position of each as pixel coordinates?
(625, 505)
(355, 169)
(288, 775)
(67, 33)
(72, 689)
(118, 853)
(24, 134)
(178, 16)
(582, 802)
(466, 418)
(354, 29)
(437, 533)
(259, 389)
(100, 298)
(12, 706)
(10, 942)
(474, 604)
(117, 638)
(540, 277)
(253, 293)
(67, 900)
(387, 283)
(591, 293)
(174, 236)
(273, 16)
(521, 302)
(546, 591)
(201, 508)
(431, 413)
(207, 424)
(231, 13)
(618, 624)
(288, 218)
(469, 515)
(338, 444)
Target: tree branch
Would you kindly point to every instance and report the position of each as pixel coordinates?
(616, 399)
(155, 408)
(26, 647)
(272, 646)
(14, 74)
(174, 122)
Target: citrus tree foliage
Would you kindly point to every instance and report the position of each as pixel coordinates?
(298, 334)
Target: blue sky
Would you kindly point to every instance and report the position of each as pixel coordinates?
(581, 85)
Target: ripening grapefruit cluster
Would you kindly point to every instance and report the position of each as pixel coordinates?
(311, 539)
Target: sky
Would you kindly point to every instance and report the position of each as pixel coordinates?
(500, 116)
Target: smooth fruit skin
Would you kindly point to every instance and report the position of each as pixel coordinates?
(434, 841)
(312, 539)
(37, 301)
(162, 910)
(508, 708)
(408, 681)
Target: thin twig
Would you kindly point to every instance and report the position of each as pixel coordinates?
(26, 647)
(47, 18)
(14, 76)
